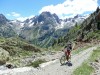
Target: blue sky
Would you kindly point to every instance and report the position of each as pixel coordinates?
(22, 9)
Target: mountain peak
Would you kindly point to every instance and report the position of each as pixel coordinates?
(1, 15)
(46, 14)
(98, 9)
(57, 18)
(3, 19)
(77, 16)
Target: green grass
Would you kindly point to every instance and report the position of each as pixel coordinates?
(80, 49)
(2, 40)
(37, 62)
(56, 48)
(95, 55)
(17, 49)
(85, 68)
(93, 35)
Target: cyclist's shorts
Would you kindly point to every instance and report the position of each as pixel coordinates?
(67, 52)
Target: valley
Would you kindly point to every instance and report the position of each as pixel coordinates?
(40, 39)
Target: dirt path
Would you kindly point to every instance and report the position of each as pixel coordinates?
(57, 69)
(54, 68)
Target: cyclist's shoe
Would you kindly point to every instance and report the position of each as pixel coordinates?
(69, 61)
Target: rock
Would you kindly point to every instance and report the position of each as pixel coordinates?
(2, 62)
(4, 56)
(96, 66)
(97, 61)
(10, 66)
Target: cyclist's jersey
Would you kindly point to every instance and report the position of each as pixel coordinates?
(69, 48)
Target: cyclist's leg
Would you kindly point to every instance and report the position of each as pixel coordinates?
(66, 54)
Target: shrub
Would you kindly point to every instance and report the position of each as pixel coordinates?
(37, 62)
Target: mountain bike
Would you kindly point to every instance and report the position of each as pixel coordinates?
(63, 59)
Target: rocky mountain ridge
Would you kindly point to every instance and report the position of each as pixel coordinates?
(5, 28)
(88, 31)
(41, 30)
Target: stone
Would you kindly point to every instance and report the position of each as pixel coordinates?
(4, 56)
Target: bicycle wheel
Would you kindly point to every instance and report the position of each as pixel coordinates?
(62, 60)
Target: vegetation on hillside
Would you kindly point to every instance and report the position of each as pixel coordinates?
(88, 31)
(15, 48)
(37, 63)
(85, 68)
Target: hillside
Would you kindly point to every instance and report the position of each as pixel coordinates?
(53, 67)
(90, 28)
(13, 50)
(88, 31)
(5, 29)
(41, 30)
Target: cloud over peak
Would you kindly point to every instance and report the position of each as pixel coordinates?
(19, 16)
(14, 14)
(71, 8)
(24, 18)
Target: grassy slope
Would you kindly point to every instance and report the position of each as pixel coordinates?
(76, 51)
(85, 68)
(17, 49)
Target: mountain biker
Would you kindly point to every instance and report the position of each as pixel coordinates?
(68, 50)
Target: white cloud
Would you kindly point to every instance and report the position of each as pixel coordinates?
(30, 16)
(21, 18)
(8, 15)
(24, 18)
(71, 7)
(18, 16)
(14, 14)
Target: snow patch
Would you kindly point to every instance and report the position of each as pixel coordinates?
(59, 26)
(14, 21)
(30, 21)
(41, 22)
(30, 25)
(22, 25)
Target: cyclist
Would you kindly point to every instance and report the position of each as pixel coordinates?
(67, 51)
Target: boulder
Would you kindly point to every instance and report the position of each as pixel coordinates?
(4, 56)
(10, 66)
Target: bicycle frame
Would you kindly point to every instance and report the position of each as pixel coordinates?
(64, 58)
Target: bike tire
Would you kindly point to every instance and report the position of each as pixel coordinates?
(62, 60)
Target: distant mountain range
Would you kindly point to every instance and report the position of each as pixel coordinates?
(88, 31)
(40, 30)
(5, 28)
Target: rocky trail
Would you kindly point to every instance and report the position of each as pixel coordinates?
(53, 67)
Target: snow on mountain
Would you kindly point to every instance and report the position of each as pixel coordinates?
(42, 28)
(69, 22)
(31, 24)
(59, 26)
(16, 25)
(46, 20)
